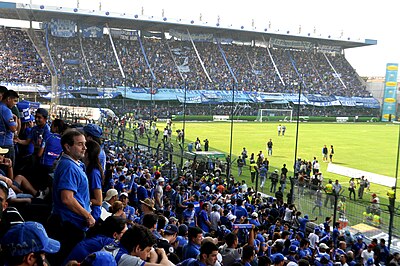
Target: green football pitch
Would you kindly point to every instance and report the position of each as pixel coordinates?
(369, 147)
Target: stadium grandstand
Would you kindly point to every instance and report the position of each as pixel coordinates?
(88, 57)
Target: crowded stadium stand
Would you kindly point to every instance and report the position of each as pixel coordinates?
(104, 199)
(93, 55)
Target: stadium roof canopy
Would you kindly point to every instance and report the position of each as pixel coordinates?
(40, 13)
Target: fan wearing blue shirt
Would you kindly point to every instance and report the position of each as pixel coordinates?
(203, 219)
(240, 210)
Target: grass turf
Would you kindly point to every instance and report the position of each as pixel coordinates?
(370, 147)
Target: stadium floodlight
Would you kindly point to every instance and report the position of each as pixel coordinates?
(280, 114)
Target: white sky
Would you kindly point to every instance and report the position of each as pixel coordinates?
(358, 20)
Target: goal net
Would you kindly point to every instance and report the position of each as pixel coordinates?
(274, 115)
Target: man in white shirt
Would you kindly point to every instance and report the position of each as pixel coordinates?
(215, 217)
(314, 238)
(368, 253)
(159, 193)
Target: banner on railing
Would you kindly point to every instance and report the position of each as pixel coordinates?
(152, 34)
(130, 35)
(290, 43)
(72, 61)
(62, 28)
(184, 36)
(92, 31)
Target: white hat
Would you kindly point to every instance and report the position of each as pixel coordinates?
(124, 194)
(161, 179)
(110, 193)
(323, 245)
(254, 214)
(230, 216)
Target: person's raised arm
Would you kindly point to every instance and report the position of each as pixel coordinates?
(251, 236)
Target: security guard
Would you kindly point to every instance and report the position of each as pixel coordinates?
(392, 197)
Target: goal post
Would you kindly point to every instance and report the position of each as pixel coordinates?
(274, 115)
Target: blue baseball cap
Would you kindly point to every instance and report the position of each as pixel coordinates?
(100, 258)
(28, 237)
(306, 216)
(277, 257)
(93, 130)
(293, 248)
(370, 261)
(171, 229)
(301, 234)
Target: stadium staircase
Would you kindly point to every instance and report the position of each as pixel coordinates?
(41, 49)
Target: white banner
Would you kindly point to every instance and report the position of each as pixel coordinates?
(356, 173)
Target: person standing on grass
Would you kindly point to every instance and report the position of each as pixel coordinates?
(244, 156)
(325, 153)
(352, 188)
(392, 196)
(362, 184)
(269, 147)
(253, 170)
(240, 165)
(283, 129)
(331, 152)
(282, 180)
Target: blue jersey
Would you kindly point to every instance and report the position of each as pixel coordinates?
(38, 134)
(88, 246)
(95, 182)
(190, 250)
(130, 213)
(7, 120)
(25, 150)
(203, 218)
(52, 149)
(302, 224)
(103, 159)
(142, 193)
(70, 175)
(239, 212)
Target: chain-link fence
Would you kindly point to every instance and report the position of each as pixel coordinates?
(369, 217)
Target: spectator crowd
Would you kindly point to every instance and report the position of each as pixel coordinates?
(168, 63)
(105, 203)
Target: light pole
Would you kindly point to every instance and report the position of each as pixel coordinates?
(182, 146)
(296, 143)
(231, 139)
(391, 207)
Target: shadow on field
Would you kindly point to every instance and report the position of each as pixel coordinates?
(340, 163)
